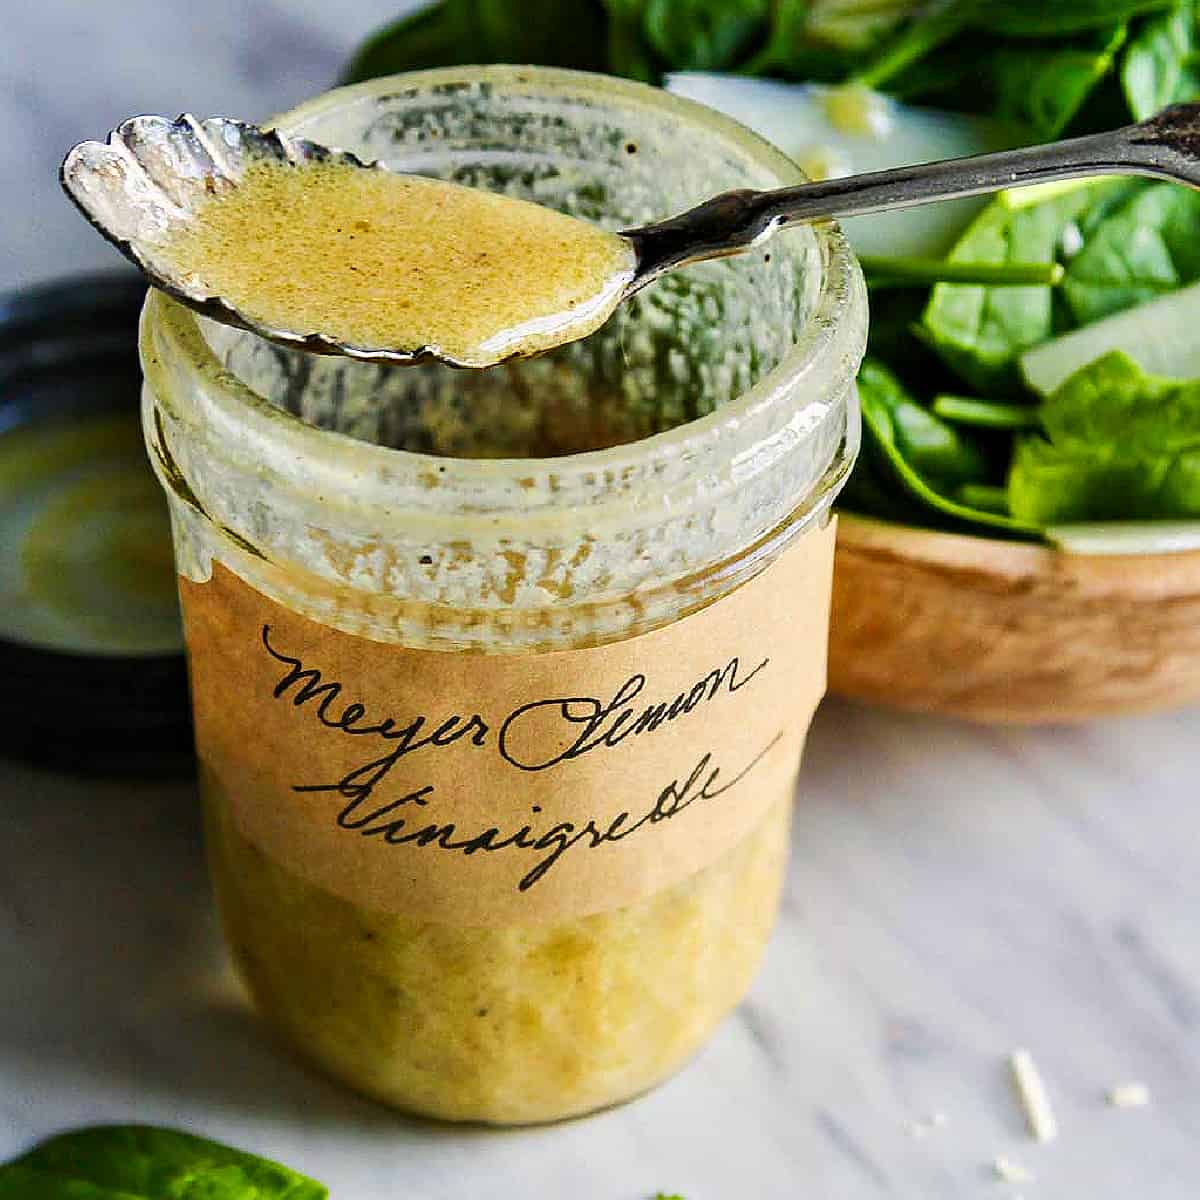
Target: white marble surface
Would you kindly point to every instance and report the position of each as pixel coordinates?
(71, 69)
(955, 892)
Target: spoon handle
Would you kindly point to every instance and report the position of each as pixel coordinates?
(1166, 146)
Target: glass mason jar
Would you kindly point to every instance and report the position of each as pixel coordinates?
(614, 492)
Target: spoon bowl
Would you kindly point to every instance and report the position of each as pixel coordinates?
(150, 177)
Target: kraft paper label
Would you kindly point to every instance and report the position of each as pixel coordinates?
(490, 789)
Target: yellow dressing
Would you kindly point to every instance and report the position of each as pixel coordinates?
(512, 1025)
(377, 260)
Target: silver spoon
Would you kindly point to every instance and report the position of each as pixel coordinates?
(153, 173)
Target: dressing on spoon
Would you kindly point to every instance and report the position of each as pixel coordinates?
(372, 258)
(309, 246)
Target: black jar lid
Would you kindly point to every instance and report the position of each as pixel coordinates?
(88, 701)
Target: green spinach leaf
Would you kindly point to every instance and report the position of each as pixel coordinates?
(984, 414)
(907, 448)
(628, 52)
(856, 25)
(938, 25)
(1058, 18)
(1119, 444)
(559, 33)
(1162, 64)
(141, 1162)
(704, 35)
(1046, 88)
(1113, 409)
(884, 271)
(22, 1183)
(980, 331)
(1149, 244)
(1048, 486)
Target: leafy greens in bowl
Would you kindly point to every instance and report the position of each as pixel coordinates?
(1033, 366)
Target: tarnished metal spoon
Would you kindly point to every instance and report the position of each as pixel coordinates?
(154, 173)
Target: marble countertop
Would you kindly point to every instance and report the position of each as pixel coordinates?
(955, 892)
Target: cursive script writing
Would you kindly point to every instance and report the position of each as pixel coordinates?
(608, 724)
(308, 685)
(385, 822)
(575, 725)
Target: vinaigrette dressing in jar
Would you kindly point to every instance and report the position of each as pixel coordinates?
(501, 677)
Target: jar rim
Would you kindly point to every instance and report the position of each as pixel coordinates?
(827, 348)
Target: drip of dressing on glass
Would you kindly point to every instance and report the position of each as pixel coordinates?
(374, 258)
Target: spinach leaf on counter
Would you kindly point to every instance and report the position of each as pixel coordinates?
(1119, 443)
(1162, 65)
(140, 1162)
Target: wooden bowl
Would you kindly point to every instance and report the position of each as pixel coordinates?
(1001, 631)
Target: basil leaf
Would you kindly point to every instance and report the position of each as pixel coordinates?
(141, 1162)
(1148, 245)
(1058, 18)
(1119, 444)
(1047, 88)
(1162, 64)
(979, 331)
